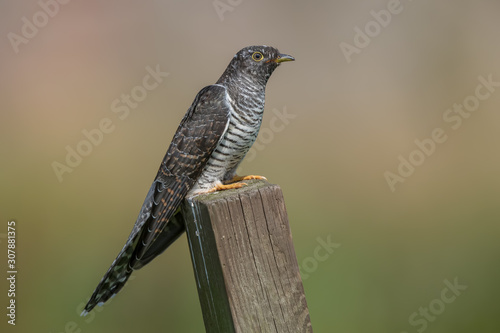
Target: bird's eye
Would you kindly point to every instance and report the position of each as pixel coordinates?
(257, 56)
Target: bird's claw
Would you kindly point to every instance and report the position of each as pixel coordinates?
(222, 187)
(249, 177)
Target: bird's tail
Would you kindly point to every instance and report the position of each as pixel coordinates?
(114, 279)
(127, 261)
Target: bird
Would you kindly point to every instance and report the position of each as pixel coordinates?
(210, 142)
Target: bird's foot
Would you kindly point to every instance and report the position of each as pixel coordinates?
(249, 177)
(222, 187)
(232, 184)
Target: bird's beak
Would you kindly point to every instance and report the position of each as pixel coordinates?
(283, 58)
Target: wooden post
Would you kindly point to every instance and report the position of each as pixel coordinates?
(244, 261)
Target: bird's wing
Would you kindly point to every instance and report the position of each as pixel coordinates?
(196, 138)
(194, 141)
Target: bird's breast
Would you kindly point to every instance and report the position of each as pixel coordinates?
(242, 130)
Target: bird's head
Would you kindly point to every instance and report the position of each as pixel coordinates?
(256, 63)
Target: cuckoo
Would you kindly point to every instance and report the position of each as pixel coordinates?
(212, 139)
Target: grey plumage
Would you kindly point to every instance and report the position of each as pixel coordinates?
(212, 139)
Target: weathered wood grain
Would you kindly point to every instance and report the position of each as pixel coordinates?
(244, 261)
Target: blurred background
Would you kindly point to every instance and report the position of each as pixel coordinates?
(370, 78)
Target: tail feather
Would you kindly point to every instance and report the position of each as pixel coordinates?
(114, 279)
(126, 262)
(173, 230)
